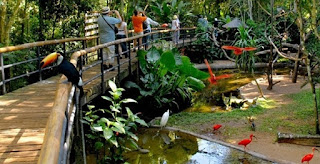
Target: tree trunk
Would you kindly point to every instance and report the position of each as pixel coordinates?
(300, 25)
(9, 23)
(3, 11)
(314, 18)
(270, 67)
(41, 9)
(296, 68)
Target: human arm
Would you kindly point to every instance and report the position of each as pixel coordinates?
(152, 22)
(125, 30)
(117, 14)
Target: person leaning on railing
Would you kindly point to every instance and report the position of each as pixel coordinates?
(122, 33)
(148, 22)
(137, 21)
(176, 28)
(107, 34)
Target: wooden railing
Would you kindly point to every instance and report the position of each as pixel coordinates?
(36, 48)
(56, 132)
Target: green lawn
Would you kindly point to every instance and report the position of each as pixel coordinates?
(295, 117)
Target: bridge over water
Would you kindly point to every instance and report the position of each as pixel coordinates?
(36, 121)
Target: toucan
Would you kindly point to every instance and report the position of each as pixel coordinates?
(64, 67)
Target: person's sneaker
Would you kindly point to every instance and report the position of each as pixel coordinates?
(105, 66)
(111, 66)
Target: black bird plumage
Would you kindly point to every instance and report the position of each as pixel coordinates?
(71, 72)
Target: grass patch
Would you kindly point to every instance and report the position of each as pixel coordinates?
(296, 117)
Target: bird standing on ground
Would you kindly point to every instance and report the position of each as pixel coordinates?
(308, 157)
(238, 50)
(245, 142)
(164, 118)
(216, 127)
(213, 79)
(64, 67)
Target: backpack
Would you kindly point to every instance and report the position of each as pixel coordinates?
(145, 25)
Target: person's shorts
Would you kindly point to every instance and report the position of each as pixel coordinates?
(137, 33)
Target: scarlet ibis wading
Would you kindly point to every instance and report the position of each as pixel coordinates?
(308, 157)
(245, 142)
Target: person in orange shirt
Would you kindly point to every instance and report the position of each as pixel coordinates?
(137, 21)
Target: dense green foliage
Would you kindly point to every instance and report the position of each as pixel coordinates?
(109, 127)
(167, 76)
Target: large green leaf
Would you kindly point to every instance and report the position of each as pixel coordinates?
(114, 141)
(141, 122)
(133, 136)
(142, 60)
(97, 127)
(106, 98)
(195, 83)
(130, 84)
(112, 85)
(119, 127)
(107, 133)
(153, 55)
(129, 101)
(167, 59)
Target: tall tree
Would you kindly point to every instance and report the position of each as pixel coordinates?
(7, 18)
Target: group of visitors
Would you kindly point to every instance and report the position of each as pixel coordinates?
(111, 28)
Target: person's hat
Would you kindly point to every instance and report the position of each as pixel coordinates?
(105, 10)
(175, 17)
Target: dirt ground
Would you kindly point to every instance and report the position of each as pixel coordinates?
(265, 144)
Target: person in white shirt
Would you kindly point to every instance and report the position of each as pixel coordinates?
(122, 33)
(148, 22)
(176, 28)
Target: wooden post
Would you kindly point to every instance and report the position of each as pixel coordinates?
(129, 57)
(4, 91)
(39, 59)
(102, 69)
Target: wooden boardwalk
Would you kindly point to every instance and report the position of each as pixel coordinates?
(24, 113)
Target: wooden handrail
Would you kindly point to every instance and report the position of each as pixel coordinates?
(56, 41)
(43, 43)
(51, 143)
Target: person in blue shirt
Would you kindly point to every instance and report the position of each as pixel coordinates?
(106, 25)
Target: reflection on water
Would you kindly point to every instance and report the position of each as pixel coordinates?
(168, 147)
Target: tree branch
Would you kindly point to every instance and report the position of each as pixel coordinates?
(280, 53)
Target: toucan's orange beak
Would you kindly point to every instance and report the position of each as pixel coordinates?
(49, 59)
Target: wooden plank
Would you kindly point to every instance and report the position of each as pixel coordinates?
(23, 116)
(23, 124)
(22, 140)
(91, 33)
(17, 148)
(95, 14)
(19, 154)
(24, 160)
(90, 27)
(11, 110)
(20, 130)
(91, 20)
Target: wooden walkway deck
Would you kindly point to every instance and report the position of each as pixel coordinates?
(24, 113)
